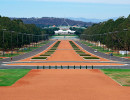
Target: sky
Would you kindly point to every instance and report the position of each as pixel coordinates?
(97, 9)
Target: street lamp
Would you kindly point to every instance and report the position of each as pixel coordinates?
(29, 40)
(126, 40)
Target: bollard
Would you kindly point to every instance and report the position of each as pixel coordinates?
(92, 66)
(55, 67)
(74, 66)
(86, 67)
(37, 67)
(80, 66)
(68, 66)
(43, 67)
(49, 67)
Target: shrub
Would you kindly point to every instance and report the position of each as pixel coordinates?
(79, 51)
(90, 57)
(39, 57)
(76, 48)
(52, 49)
(45, 55)
(48, 53)
(84, 54)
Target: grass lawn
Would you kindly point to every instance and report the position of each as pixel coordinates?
(122, 76)
(25, 51)
(10, 76)
(120, 55)
(88, 44)
(9, 55)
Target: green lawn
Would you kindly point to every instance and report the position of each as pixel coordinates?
(10, 76)
(86, 43)
(25, 51)
(122, 76)
(9, 55)
(120, 55)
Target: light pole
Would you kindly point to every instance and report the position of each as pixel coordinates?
(126, 40)
(17, 42)
(29, 40)
(3, 40)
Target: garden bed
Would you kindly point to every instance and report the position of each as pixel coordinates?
(41, 58)
(84, 54)
(91, 58)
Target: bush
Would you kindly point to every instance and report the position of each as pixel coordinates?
(90, 57)
(52, 49)
(79, 51)
(45, 55)
(48, 53)
(76, 48)
(84, 54)
(39, 57)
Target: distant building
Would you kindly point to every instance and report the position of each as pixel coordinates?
(64, 30)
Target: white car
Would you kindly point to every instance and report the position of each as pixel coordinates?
(95, 50)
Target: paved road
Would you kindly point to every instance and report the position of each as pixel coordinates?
(29, 54)
(121, 60)
(114, 58)
(65, 67)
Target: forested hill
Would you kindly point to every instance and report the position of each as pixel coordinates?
(50, 21)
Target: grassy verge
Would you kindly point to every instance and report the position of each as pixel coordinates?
(9, 55)
(122, 76)
(120, 55)
(10, 76)
(25, 50)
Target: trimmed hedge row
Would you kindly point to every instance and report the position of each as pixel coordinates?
(84, 55)
(80, 52)
(48, 53)
(39, 58)
(90, 57)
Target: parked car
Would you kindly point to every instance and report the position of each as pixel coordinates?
(95, 50)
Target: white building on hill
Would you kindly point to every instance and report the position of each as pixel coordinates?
(64, 29)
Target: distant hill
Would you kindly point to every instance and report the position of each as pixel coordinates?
(50, 21)
(91, 20)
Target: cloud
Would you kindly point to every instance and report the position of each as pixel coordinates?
(90, 1)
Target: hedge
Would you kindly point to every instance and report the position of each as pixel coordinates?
(45, 55)
(39, 57)
(90, 57)
(84, 55)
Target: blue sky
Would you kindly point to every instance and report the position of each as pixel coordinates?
(100, 9)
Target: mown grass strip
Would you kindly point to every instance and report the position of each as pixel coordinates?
(122, 76)
(10, 76)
